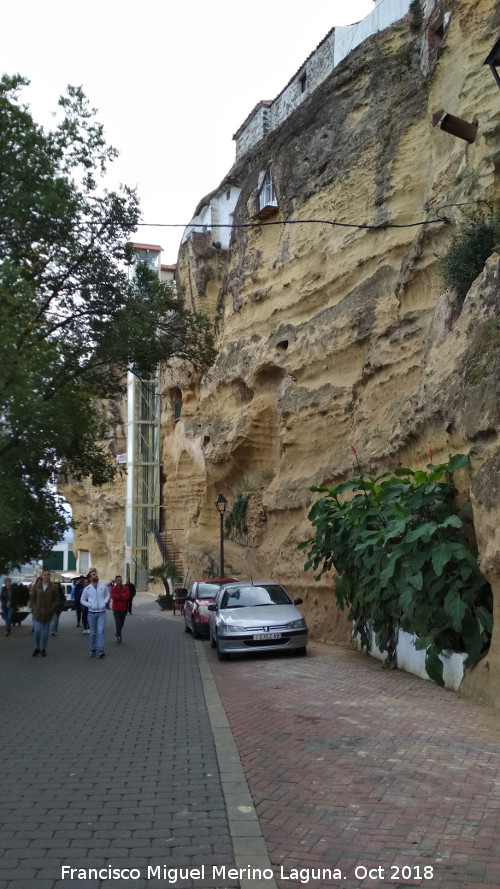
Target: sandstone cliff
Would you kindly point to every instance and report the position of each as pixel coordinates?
(99, 512)
(331, 335)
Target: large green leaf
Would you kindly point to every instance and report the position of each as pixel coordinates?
(485, 618)
(423, 532)
(440, 556)
(434, 666)
(419, 477)
(472, 636)
(455, 607)
(395, 528)
(452, 521)
(388, 572)
(416, 559)
(416, 580)
(458, 461)
(406, 599)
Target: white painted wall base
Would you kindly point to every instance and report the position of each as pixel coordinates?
(412, 661)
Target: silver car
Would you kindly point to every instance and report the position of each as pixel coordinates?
(255, 616)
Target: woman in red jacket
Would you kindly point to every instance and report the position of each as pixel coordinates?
(119, 595)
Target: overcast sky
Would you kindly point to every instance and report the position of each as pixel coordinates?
(172, 82)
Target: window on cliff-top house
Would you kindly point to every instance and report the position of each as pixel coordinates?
(267, 202)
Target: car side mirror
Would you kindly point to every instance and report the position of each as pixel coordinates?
(297, 601)
(212, 607)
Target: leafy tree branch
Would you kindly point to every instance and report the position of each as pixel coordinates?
(72, 318)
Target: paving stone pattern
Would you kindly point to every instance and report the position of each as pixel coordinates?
(108, 762)
(350, 768)
(353, 766)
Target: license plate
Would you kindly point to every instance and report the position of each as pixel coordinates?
(259, 637)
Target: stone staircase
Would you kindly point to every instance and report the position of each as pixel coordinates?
(170, 551)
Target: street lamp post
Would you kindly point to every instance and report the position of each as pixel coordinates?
(220, 505)
(493, 60)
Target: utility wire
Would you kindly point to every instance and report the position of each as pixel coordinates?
(382, 225)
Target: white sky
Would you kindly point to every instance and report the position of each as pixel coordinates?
(171, 81)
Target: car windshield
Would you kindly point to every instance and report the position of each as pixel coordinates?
(207, 590)
(249, 596)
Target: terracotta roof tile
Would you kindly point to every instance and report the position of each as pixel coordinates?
(153, 247)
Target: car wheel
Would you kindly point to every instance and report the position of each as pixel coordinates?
(301, 652)
(221, 654)
(196, 634)
(186, 628)
(212, 640)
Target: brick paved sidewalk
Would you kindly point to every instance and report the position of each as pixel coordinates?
(108, 763)
(356, 768)
(131, 762)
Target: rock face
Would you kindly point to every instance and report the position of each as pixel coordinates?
(333, 328)
(99, 513)
(332, 335)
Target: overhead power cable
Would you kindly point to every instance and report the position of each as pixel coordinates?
(360, 225)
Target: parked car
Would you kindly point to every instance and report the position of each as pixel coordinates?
(200, 596)
(69, 603)
(256, 616)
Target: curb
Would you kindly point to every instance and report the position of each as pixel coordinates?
(244, 827)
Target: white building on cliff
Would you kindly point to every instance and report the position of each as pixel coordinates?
(216, 213)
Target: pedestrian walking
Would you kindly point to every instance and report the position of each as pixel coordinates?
(54, 624)
(84, 609)
(95, 598)
(131, 590)
(119, 595)
(44, 601)
(77, 595)
(8, 604)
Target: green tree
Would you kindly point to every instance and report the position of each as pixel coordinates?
(71, 321)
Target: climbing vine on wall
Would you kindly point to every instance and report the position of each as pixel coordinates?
(402, 550)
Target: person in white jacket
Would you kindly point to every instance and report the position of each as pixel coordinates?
(95, 598)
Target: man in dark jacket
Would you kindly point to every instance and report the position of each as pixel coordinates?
(44, 601)
(77, 596)
(8, 604)
(131, 590)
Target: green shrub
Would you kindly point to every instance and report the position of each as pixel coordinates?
(400, 547)
(477, 238)
(235, 519)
